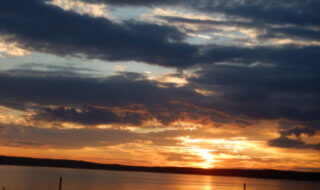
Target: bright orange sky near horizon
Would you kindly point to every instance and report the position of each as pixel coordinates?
(182, 143)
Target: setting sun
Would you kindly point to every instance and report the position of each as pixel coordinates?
(207, 156)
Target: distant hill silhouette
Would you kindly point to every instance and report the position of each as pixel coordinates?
(270, 174)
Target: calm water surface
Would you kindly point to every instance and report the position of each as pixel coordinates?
(33, 178)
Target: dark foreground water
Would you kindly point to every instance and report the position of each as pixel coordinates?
(34, 178)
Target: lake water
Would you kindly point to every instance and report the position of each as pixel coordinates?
(36, 178)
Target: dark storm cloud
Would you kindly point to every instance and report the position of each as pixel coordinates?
(42, 27)
(128, 98)
(264, 91)
(285, 142)
(90, 115)
(135, 2)
(297, 131)
(264, 31)
(295, 12)
(204, 21)
(291, 32)
(275, 91)
(124, 89)
(289, 56)
(276, 18)
(243, 95)
(91, 101)
(307, 129)
(286, 18)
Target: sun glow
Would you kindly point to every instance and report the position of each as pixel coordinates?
(212, 151)
(207, 156)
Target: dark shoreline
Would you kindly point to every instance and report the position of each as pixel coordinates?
(266, 174)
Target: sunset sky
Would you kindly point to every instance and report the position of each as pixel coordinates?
(199, 83)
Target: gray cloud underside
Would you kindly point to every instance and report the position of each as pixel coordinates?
(243, 96)
(70, 94)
